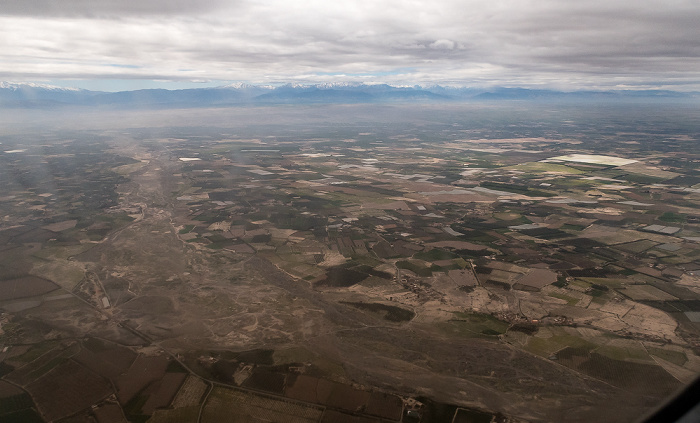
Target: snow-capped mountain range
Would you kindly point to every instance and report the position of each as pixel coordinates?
(29, 95)
(29, 85)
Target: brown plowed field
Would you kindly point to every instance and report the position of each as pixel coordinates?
(67, 389)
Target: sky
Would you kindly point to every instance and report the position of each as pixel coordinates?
(554, 44)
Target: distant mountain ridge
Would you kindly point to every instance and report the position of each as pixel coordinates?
(46, 96)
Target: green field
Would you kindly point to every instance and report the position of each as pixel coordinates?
(568, 299)
(475, 325)
(676, 357)
(389, 312)
(225, 405)
(620, 353)
(558, 341)
(435, 254)
(538, 167)
(610, 283)
(416, 268)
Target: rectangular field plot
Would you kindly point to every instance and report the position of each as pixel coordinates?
(109, 413)
(8, 390)
(385, 405)
(67, 389)
(190, 393)
(163, 392)
(177, 415)
(337, 417)
(105, 359)
(232, 405)
(26, 286)
(142, 372)
(645, 292)
(43, 359)
(463, 277)
(636, 246)
(14, 403)
(64, 273)
(538, 278)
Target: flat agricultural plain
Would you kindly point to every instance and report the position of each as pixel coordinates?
(466, 262)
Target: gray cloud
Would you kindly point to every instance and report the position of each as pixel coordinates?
(104, 8)
(592, 44)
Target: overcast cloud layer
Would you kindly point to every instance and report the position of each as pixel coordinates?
(559, 44)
